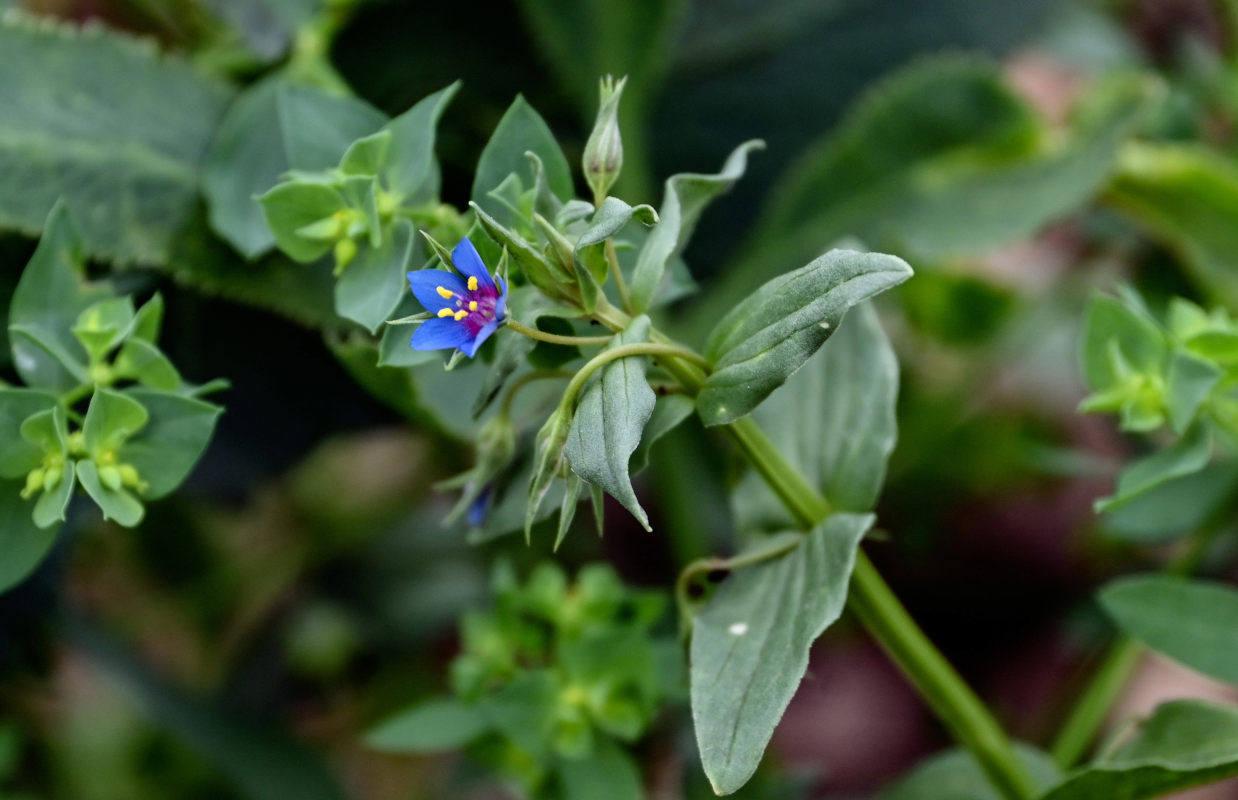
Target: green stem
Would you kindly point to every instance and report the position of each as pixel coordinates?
(621, 283)
(1117, 665)
(554, 338)
(871, 599)
(668, 351)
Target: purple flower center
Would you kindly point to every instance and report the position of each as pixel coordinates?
(474, 308)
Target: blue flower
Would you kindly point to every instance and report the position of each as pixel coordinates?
(468, 307)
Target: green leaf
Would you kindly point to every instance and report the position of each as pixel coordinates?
(1184, 743)
(520, 130)
(523, 710)
(46, 431)
(669, 411)
(608, 773)
(1186, 456)
(610, 417)
(684, 197)
(143, 362)
(750, 645)
(50, 295)
(834, 421)
(770, 335)
(941, 160)
(367, 156)
(23, 545)
(116, 504)
(413, 171)
(1188, 383)
(548, 456)
(103, 325)
(1142, 342)
(430, 727)
(272, 127)
(955, 775)
(373, 284)
(49, 510)
(567, 507)
(109, 124)
(1175, 508)
(1194, 622)
(148, 320)
(176, 434)
(110, 420)
(1187, 196)
(293, 206)
(610, 218)
(18, 455)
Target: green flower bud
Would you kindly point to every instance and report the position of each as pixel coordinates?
(51, 479)
(109, 476)
(345, 252)
(34, 483)
(129, 477)
(603, 158)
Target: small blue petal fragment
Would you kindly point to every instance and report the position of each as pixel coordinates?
(470, 349)
(479, 509)
(441, 333)
(468, 263)
(425, 285)
(500, 307)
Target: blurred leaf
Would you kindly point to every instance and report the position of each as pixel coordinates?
(606, 774)
(750, 645)
(292, 207)
(49, 510)
(18, 455)
(23, 545)
(523, 710)
(267, 26)
(373, 284)
(767, 337)
(1142, 342)
(175, 436)
(610, 417)
(1184, 743)
(110, 420)
(941, 160)
(50, 295)
(521, 130)
(834, 421)
(115, 503)
(669, 411)
(413, 171)
(1188, 382)
(430, 727)
(268, 126)
(1175, 508)
(684, 197)
(109, 124)
(1187, 196)
(956, 775)
(1194, 622)
(1188, 455)
(263, 765)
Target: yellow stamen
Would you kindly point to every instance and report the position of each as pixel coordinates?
(472, 284)
(461, 314)
(444, 293)
(472, 305)
(445, 312)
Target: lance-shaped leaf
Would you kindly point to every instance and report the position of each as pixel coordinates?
(430, 727)
(23, 544)
(1186, 456)
(957, 775)
(372, 285)
(834, 421)
(1191, 621)
(683, 200)
(49, 297)
(412, 172)
(750, 645)
(608, 773)
(1184, 743)
(17, 454)
(108, 123)
(520, 131)
(272, 127)
(610, 416)
(770, 335)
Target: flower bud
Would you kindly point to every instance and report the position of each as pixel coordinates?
(603, 158)
(34, 483)
(345, 252)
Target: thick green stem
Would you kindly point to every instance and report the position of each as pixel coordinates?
(1118, 663)
(872, 600)
(1093, 705)
(554, 338)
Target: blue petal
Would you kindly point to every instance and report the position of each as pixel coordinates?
(425, 283)
(468, 263)
(500, 307)
(441, 333)
(482, 335)
(480, 507)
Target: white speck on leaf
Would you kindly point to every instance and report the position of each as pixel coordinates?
(738, 629)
